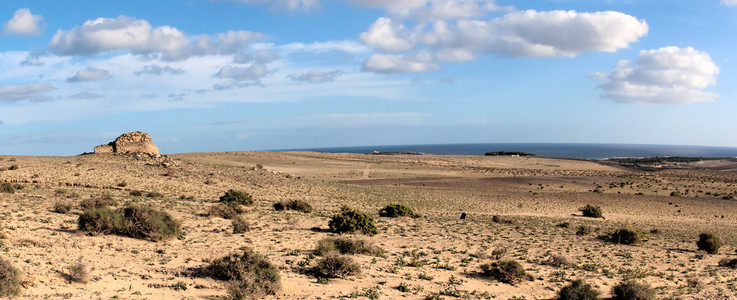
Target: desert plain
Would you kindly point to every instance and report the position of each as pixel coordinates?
(517, 208)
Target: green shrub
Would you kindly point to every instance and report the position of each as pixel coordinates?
(8, 188)
(591, 211)
(132, 221)
(102, 221)
(9, 279)
(249, 273)
(335, 265)
(240, 225)
(626, 236)
(578, 290)
(296, 205)
(346, 246)
(350, 220)
(236, 197)
(397, 210)
(709, 243)
(150, 224)
(62, 207)
(506, 271)
(630, 290)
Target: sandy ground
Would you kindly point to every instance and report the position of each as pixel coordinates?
(533, 197)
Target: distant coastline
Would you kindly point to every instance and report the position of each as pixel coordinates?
(563, 150)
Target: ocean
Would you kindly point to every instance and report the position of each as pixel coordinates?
(585, 151)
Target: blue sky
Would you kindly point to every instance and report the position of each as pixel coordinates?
(274, 74)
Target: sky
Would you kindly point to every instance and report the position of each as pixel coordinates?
(225, 75)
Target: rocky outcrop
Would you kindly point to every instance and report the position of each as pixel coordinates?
(131, 142)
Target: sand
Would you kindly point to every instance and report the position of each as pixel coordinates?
(533, 197)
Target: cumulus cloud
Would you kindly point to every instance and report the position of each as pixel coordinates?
(86, 95)
(431, 10)
(669, 75)
(387, 36)
(139, 37)
(158, 70)
(422, 61)
(32, 92)
(291, 5)
(316, 76)
(250, 73)
(24, 23)
(90, 74)
(517, 34)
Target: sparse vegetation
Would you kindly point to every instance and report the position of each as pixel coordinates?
(336, 265)
(351, 220)
(625, 236)
(103, 201)
(346, 246)
(397, 210)
(224, 211)
(240, 225)
(578, 290)
(234, 197)
(631, 290)
(133, 221)
(7, 187)
(79, 272)
(62, 207)
(506, 271)
(9, 279)
(250, 274)
(296, 205)
(709, 242)
(591, 211)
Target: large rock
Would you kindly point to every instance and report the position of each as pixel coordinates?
(131, 142)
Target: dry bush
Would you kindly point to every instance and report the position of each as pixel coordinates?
(9, 279)
(591, 211)
(7, 187)
(350, 220)
(558, 261)
(240, 225)
(249, 273)
(335, 265)
(584, 230)
(625, 236)
(506, 271)
(709, 243)
(62, 207)
(296, 205)
(225, 211)
(347, 246)
(630, 290)
(728, 263)
(578, 290)
(104, 200)
(79, 272)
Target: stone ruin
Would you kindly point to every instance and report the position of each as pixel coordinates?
(131, 142)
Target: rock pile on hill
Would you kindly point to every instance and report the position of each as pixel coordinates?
(131, 142)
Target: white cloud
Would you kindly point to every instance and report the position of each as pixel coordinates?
(32, 92)
(158, 70)
(90, 74)
(517, 34)
(669, 75)
(250, 73)
(290, 5)
(24, 23)
(387, 36)
(315, 76)
(139, 37)
(729, 2)
(432, 10)
(422, 61)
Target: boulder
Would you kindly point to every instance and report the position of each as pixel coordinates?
(131, 142)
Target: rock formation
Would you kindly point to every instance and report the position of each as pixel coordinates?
(131, 142)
